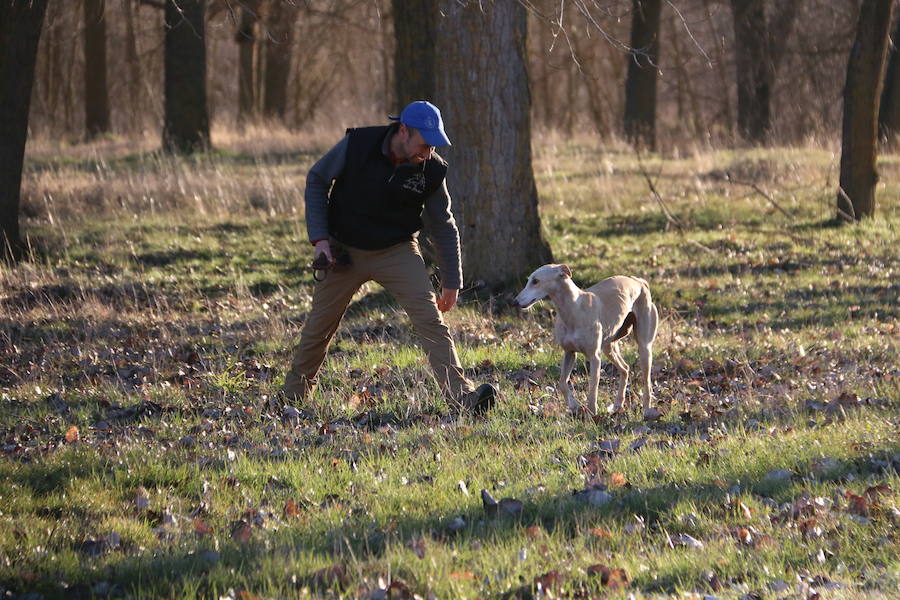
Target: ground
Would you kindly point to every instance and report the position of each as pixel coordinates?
(144, 454)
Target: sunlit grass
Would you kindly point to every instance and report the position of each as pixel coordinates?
(164, 297)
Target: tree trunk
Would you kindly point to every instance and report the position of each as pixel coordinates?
(862, 94)
(414, 50)
(279, 44)
(755, 73)
(133, 62)
(20, 32)
(640, 85)
(96, 97)
(889, 114)
(246, 40)
(186, 126)
(482, 86)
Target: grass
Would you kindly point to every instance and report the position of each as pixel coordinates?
(143, 455)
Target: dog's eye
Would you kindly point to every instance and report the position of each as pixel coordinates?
(534, 281)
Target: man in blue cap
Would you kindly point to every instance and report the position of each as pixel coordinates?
(366, 201)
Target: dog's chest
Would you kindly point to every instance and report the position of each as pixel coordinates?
(573, 340)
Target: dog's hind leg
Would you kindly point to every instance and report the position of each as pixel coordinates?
(615, 356)
(645, 332)
(564, 388)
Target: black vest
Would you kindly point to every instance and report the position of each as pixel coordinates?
(372, 205)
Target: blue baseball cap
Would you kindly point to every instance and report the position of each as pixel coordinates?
(426, 118)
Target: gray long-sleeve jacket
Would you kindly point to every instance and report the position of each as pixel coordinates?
(437, 215)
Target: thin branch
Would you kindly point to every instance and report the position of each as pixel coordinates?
(671, 219)
(762, 193)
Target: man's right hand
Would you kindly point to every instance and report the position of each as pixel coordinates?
(323, 247)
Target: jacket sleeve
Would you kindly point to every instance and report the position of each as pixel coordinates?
(318, 183)
(438, 219)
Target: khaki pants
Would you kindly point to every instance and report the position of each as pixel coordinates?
(401, 271)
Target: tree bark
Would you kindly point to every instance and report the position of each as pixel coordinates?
(755, 73)
(889, 113)
(133, 62)
(20, 32)
(640, 84)
(279, 44)
(862, 95)
(414, 50)
(96, 96)
(247, 43)
(186, 120)
(482, 87)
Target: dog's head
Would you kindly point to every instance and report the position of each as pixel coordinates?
(541, 283)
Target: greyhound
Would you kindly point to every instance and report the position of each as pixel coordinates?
(594, 320)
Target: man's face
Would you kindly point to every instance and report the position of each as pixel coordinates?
(412, 148)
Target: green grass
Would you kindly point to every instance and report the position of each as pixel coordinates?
(162, 333)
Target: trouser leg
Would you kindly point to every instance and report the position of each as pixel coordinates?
(330, 300)
(402, 272)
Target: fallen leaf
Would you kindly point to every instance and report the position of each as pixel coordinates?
(417, 546)
(201, 527)
(399, 589)
(614, 579)
(652, 414)
(683, 539)
(241, 531)
(617, 479)
(72, 434)
(548, 581)
(534, 532)
(743, 536)
(291, 509)
(328, 577)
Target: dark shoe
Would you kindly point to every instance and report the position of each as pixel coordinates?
(481, 400)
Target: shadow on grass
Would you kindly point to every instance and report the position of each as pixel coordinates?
(360, 539)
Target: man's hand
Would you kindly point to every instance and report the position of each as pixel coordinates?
(447, 299)
(323, 247)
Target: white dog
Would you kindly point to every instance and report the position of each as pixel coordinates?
(594, 320)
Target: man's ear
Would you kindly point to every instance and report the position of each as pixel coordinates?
(566, 271)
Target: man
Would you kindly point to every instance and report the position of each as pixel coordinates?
(387, 184)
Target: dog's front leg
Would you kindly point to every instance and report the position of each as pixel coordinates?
(564, 388)
(594, 382)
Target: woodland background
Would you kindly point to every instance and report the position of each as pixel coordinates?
(339, 57)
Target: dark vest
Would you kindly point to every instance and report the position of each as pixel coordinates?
(372, 205)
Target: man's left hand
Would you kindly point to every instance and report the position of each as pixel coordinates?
(447, 299)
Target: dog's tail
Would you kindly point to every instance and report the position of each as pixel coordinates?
(645, 328)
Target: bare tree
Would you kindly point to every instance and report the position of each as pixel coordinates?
(862, 94)
(640, 85)
(96, 96)
(414, 50)
(20, 32)
(186, 120)
(482, 87)
(759, 45)
(246, 39)
(889, 114)
(280, 20)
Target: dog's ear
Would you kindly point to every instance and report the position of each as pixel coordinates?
(566, 272)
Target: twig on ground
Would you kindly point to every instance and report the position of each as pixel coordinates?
(762, 193)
